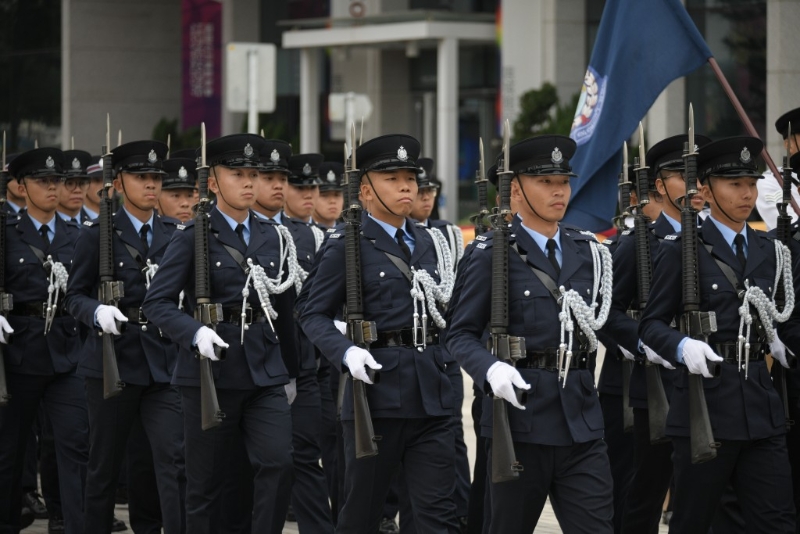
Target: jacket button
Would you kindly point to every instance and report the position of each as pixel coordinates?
(144, 328)
(272, 264)
(382, 274)
(22, 260)
(714, 286)
(121, 264)
(527, 293)
(219, 263)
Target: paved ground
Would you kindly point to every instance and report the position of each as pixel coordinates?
(547, 523)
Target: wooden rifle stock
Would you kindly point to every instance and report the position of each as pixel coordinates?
(110, 291)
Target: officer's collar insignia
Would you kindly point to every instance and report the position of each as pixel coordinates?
(180, 226)
(587, 232)
(182, 173)
(744, 157)
(49, 163)
(307, 169)
(480, 238)
(556, 156)
(331, 176)
(152, 157)
(248, 150)
(402, 155)
(274, 157)
(76, 164)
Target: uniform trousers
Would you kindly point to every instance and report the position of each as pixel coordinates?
(620, 451)
(63, 398)
(577, 478)
(309, 491)
(760, 475)
(652, 466)
(424, 448)
(110, 422)
(327, 434)
(261, 419)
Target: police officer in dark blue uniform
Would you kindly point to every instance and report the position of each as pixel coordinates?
(40, 363)
(329, 204)
(558, 435)
(15, 195)
(651, 462)
(146, 358)
(250, 381)
(91, 202)
(178, 189)
(746, 414)
(412, 403)
(76, 183)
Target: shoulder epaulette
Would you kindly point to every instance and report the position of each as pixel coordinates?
(481, 238)
(12, 219)
(579, 235)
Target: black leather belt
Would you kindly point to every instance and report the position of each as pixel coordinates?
(728, 351)
(135, 316)
(234, 316)
(35, 309)
(405, 338)
(548, 359)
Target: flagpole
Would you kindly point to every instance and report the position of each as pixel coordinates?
(747, 124)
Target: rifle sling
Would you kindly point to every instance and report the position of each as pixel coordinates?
(727, 271)
(400, 264)
(543, 277)
(235, 254)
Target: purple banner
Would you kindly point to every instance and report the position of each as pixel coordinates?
(202, 65)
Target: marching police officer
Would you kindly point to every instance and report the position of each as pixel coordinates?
(769, 190)
(15, 194)
(328, 205)
(737, 274)
(91, 202)
(273, 174)
(412, 403)
(558, 436)
(178, 189)
(146, 358)
(40, 363)
(250, 380)
(76, 183)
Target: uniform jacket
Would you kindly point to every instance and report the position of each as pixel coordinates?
(144, 355)
(789, 332)
(554, 415)
(620, 327)
(256, 363)
(31, 352)
(739, 409)
(413, 383)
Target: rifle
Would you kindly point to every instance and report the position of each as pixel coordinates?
(624, 187)
(784, 235)
(362, 333)
(693, 322)
(479, 219)
(657, 404)
(110, 291)
(6, 300)
(205, 312)
(508, 349)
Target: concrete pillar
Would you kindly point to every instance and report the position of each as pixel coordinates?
(447, 125)
(668, 114)
(309, 100)
(783, 68)
(66, 71)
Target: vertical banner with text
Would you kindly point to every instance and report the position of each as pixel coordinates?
(202, 65)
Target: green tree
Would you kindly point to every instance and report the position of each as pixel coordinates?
(541, 113)
(165, 128)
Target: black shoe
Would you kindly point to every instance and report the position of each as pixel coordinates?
(34, 501)
(388, 526)
(55, 525)
(290, 515)
(25, 518)
(118, 525)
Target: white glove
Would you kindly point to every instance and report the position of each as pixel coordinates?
(341, 326)
(695, 354)
(356, 358)
(291, 390)
(502, 378)
(778, 350)
(5, 328)
(655, 358)
(205, 339)
(107, 317)
(628, 355)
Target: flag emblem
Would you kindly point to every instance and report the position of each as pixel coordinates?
(590, 106)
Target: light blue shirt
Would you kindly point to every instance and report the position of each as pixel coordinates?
(68, 218)
(15, 207)
(676, 225)
(234, 224)
(50, 225)
(137, 225)
(541, 242)
(408, 237)
(91, 214)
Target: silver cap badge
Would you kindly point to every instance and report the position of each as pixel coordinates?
(331, 176)
(75, 163)
(744, 157)
(248, 150)
(182, 172)
(556, 156)
(402, 155)
(275, 157)
(306, 169)
(152, 157)
(49, 163)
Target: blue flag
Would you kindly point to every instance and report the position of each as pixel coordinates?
(641, 47)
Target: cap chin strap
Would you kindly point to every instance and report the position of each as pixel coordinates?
(720, 207)
(127, 198)
(219, 188)
(30, 200)
(366, 173)
(529, 202)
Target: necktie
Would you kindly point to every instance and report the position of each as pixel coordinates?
(73, 219)
(402, 243)
(551, 255)
(143, 234)
(739, 242)
(240, 233)
(44, 230)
